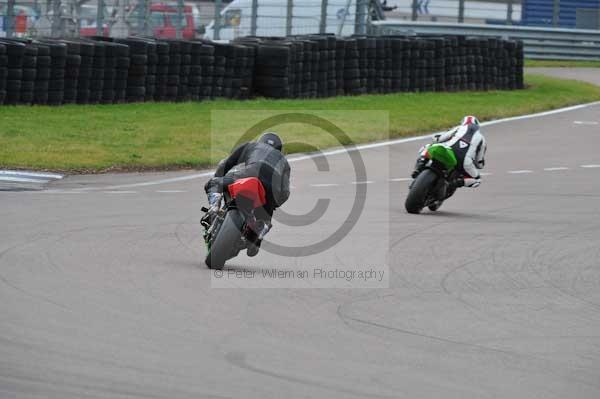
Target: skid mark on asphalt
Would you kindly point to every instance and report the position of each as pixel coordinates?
(239, 359)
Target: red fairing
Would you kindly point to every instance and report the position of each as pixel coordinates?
(250, 188)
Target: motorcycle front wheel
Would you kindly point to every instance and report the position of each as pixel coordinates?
(226, 240)
(419, 191)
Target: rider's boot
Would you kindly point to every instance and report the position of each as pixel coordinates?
(253, 248)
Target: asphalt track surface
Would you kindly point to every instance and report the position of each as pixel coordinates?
(103, 293)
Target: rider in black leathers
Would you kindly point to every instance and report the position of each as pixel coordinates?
(262, 159)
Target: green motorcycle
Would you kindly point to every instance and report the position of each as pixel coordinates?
(432, 185)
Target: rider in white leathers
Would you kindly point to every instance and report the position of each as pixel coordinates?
(469, 146)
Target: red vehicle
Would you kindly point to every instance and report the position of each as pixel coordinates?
(163, 21)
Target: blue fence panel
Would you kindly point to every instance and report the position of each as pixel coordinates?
(541, 12)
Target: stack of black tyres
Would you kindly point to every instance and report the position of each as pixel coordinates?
(519, 64)
(450, 60)
(511, 48)
(241, 71)
(462, 63)
(420, 63)
(397, 45)
(331, 66)
(472, 76)
(80, 90)
(122, 64)
(371, 50)
(325, 66)
(98, 71)
(58, 62)
(29, 73)
(42, 74)
(439, 63)
(228, 72)
(138, 69)
(309, 84)
(173, 71)
(388, 65)
(110, 64)
(352, 72)
(3, 72)
(295, 74)
(162, 71)
(340, 60)
(322, 55)
(363, 63)
(195, 76)
(72, 75)
(316, 67)
(116, 70)
(491, 72)
(206, 60)
(15, 52)
(252, 44)
(152, 69)
(379, 65)
(272, 70)
(501, 67)
(298, 68)
(185, 48)
(219, 69)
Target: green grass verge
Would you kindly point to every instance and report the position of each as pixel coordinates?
(561, 64)
(171, 135)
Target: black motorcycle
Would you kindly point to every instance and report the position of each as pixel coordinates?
(432, 184)
(235, 226)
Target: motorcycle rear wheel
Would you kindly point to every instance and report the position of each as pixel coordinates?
(419, 191)
(222, 247)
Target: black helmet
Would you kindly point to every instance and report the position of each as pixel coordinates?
(271, 139)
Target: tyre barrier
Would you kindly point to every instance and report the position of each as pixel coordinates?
(101, 70)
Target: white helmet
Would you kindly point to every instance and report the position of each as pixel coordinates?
(469, 120)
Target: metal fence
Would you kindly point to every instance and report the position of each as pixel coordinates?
(483, 11)
(539, 43)
(578, 14)
(229, 19)
(217, 19)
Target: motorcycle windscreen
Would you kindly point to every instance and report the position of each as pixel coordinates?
(443, 154)
(250, 189)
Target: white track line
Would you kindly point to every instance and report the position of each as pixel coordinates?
(30, 174)
(345, 150)
(590, 166)
(518, 172)
(119, 192)
(401, 179)
(363, 182)
(556, 168)
(325, 185)
(585, 122)
(22, 180)
(171, 191)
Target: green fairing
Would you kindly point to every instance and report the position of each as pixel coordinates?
(443, 154)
